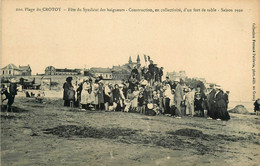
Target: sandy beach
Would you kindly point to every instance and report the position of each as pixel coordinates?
(50, 134)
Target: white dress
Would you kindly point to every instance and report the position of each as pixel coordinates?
(135, 100)
(86, 97)
(95, 89)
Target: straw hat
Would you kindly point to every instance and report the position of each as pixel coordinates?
(13, 80)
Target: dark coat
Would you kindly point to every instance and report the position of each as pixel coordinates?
(160, 72)
(101, 94)
(151, 69)
(125, 91)
(210, 104)
(221, 107)
(140, 100)
(116, 95)
(67, 93)
(13, 89)
(135, 72)
(256, 104)
(226, 98)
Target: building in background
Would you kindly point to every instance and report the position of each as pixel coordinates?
(12, 70)
(26, 70)
(128, 66)
(177, 75)
(68, 71)
(51, 70)
(120, 73)
(105, 73)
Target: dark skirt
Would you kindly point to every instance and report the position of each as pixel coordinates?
(106, 99)
(150, 112)
(212, 112)
(222, 113)
(167, 106)
(10, 100)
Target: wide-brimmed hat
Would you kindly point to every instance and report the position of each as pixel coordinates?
(176, 80)
(69, 79)
(218, 87)
(13, 80)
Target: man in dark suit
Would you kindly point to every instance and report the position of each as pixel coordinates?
(151, 69)
(210, 101)
(135, 72)
(160, 74)
(156, 73)
(178, 98)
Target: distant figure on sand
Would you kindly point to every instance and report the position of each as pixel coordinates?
(256, 109)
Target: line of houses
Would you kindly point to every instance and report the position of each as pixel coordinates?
(119, 72)
(115, 73)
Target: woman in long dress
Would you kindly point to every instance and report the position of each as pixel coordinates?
(220, 105)
(107, 96)
(95, 88)
(135, 98)
(101, 95)
(117, 97)
(128, 101)
(68, 93)
(86, 95)
(167, 98)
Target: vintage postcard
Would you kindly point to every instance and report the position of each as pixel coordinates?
(127, 82)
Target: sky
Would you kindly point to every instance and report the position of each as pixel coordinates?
(215, 46)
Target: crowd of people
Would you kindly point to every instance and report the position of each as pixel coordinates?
(145, 93)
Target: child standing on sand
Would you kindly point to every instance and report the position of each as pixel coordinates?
(141, 106)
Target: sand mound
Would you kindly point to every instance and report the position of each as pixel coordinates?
(239, 109)
(72, 130)
(187, 132)
(15, 109)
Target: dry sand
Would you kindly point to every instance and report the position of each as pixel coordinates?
(49, 134)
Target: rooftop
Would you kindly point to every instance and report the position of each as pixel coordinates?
(11, 66)
(100, 70)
